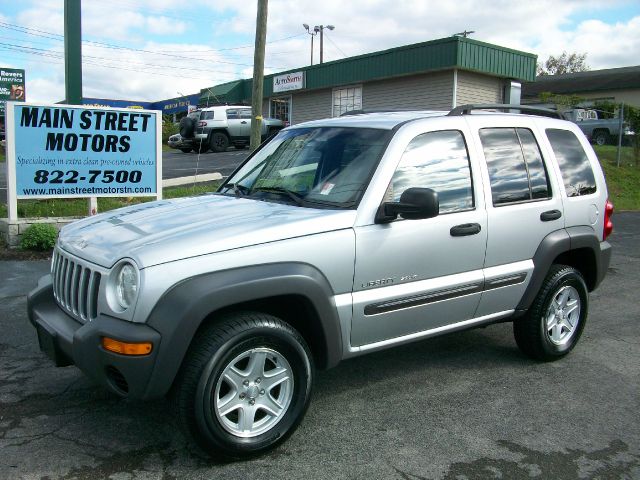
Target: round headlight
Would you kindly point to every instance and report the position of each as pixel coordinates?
(126, 285)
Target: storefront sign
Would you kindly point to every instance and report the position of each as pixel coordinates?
(67, 151)
(12, 86)
(288, 81)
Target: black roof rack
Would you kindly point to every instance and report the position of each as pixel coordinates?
(361, 112)
(543, 112)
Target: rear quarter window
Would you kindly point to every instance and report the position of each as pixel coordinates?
(574, 164)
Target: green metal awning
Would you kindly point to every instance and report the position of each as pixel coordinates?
(229, 93)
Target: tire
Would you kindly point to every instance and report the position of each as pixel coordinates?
(227, 360)
(187, 127)
(600, 137)
(219, 142)
(185, 150)
(555, 320)
(200, 147)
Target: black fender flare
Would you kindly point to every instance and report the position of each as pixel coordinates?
(183, 308)
(554, 245)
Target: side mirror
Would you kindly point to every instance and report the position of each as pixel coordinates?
(415, 204)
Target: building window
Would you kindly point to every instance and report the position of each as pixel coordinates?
(347, 99)
(280, 108)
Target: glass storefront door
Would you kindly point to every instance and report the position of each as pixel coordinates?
(280, 107)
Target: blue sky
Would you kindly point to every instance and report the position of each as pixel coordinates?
(153, 49)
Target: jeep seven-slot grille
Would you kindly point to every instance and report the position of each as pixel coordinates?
(75, 287)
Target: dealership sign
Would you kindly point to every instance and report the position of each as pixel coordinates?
(288, 81)
(12, 86)
(56, 151)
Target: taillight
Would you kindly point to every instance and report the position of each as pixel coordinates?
(608, 224)
(202, 124)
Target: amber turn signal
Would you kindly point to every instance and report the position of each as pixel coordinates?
(124, 348)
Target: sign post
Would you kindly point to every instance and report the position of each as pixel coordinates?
(65, 151)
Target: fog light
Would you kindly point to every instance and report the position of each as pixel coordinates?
(124, 348)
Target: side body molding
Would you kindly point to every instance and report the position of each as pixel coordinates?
(181, 311)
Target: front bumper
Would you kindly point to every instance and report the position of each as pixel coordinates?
(69, 342)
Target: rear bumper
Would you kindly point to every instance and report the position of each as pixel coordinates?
(604, 259)
(69, 342)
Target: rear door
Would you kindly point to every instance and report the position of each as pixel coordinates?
(524, 205)
(234, 126)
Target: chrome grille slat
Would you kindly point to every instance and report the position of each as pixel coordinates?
(82, 294)
(94, 281)
(75, 286)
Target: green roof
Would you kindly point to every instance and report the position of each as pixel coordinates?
(230, 92)
(443, 54)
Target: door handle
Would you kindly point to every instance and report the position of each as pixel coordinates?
(550, 215)
(465, 229)
(244, 122)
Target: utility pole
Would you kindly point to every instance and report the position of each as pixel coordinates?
(73, 64)
(321, 28)
(72, 52)
(258, 73)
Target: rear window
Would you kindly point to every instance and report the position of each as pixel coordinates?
(574, 164)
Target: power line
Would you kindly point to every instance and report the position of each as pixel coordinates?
(55, 36)
(56, 56)
(333, 43)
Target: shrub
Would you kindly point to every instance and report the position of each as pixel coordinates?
(168, 128)
(39, 236)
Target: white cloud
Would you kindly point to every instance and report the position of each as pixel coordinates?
(165, 25)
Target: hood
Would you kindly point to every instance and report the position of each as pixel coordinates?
(168, 230)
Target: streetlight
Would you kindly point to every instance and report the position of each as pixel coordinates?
(313, 34)
(321, 29)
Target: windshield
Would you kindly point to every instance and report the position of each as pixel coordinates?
(314, 167)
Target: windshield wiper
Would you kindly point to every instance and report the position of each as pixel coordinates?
(282, 191)
(237, 189)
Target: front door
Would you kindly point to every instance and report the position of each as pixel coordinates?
(418, 275)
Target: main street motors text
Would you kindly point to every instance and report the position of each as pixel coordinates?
(94, 120)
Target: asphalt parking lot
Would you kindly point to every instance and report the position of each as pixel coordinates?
(461, 406)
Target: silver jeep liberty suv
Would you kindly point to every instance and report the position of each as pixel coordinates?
(336, 238)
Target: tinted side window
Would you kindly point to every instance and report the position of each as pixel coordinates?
(505, 161)
(540, 187)
(575, 167)
(436, 160)
(207, 115)
(245, 113)
(232, 114)
(516, 169)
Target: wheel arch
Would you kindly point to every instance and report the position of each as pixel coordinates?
(297, 293)
(218, 130)
(578, 247)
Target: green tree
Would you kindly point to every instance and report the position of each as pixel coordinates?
(564, 63)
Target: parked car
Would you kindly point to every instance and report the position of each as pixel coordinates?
(215, 128)
(175, 141)
(337, 238)
(599, 130)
